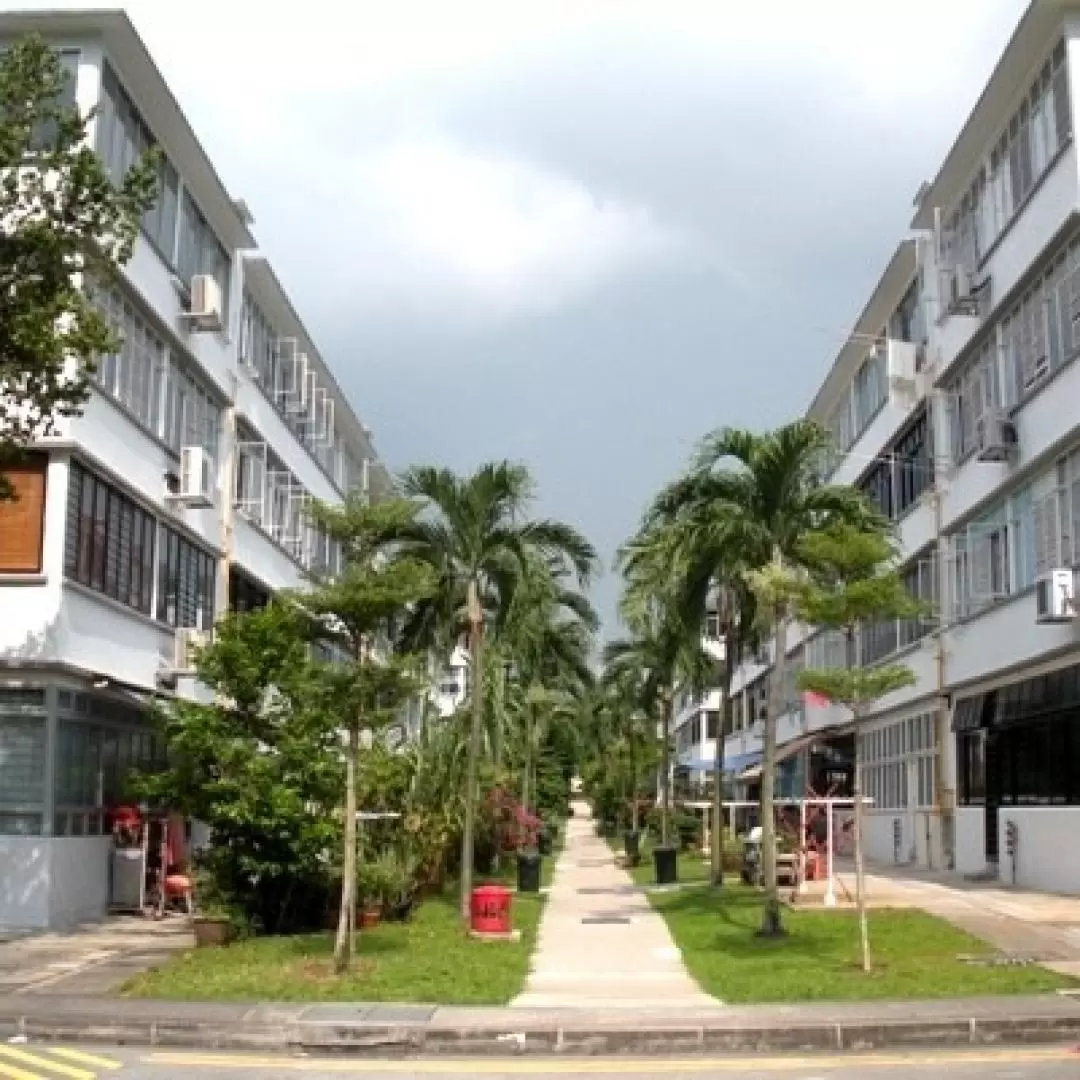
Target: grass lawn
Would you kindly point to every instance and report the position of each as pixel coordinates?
(914, 953)
(430, 959)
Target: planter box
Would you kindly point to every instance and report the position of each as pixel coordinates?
(211, 931)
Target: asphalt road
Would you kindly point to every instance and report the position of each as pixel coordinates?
(38, 1062)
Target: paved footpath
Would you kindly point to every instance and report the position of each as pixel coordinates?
(601, 944)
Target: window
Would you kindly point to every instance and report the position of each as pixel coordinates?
(712, 626)
(899, 763)
(22, 760)
(109, 542)
(974, 392)
(122, 139)
(921, 581)
(1028, 145)
(186, 582)
(45, 133)
(245, 595)
(877, 486)
(22, 520)
(200, 250)
(132, 376)
(192, 413)
(871, 390)
(913, 459)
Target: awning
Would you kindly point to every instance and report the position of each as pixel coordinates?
(732, 764)
(788, 750)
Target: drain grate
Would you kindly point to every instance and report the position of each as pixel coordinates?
(605, 920)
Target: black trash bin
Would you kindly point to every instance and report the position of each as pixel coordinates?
(665, 862)
(632, 846)
(528, 872)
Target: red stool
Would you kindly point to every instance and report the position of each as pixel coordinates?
(178, 886)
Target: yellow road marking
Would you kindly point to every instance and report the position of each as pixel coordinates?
(84, 1058)
(16, 1074)
(39, 1061)
(548, 1066)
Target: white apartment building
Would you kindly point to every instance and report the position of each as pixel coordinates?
(956, 407)
(178, 494)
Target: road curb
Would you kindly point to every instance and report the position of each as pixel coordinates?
(551, 1039)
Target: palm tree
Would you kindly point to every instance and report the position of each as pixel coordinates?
(660, 652)
(692, 533)
(767, 496)
(475, 536)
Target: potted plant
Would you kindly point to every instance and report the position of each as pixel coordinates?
(212, 922)
(370, 892)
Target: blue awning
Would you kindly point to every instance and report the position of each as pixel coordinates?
(732, 765)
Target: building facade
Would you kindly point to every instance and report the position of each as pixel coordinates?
(178, 494)
(955, 406)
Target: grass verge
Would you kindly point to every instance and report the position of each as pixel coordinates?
(914, 954)
(430, 959)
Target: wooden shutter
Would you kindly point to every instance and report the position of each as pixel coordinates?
(22, 520)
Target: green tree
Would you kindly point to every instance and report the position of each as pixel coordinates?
(854, 583)
(64, 222)
(261, 768)
(476, 538)
(369, 679)
(693, 535)
(770, 491)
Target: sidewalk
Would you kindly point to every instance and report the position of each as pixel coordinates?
(93, 959)
(601, 944)
(1040, 926)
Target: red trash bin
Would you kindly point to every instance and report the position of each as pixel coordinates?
(490, 909)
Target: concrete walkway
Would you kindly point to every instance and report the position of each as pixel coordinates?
(93, 959)
(601, 945)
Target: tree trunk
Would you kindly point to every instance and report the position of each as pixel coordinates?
(860, 875)
(633, 782)
(665, 776)
(526, 782)
(343, 945)
(770, 919)
(727, 718)
(472, 766)
(854, 642)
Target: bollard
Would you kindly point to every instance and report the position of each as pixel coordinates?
(1012, 840)
(897, 838)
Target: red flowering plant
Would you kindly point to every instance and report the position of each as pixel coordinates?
(515, 828)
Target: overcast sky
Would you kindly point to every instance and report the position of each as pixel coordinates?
(578, 233)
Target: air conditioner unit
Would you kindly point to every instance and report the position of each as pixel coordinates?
(995, 437)
(196, 478)
(204, 313)
(188, 641)
(900, 362)
(1055, 596)
(964, 291)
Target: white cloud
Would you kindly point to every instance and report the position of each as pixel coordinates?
(449, 228)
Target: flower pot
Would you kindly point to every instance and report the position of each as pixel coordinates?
(211, 931)
(370, 917)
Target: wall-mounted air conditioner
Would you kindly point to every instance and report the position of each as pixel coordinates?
(1055, 596)
(900, 364)
(188, 641)
(196, 488)
(204, 311)
(995, 437)
(964, 291)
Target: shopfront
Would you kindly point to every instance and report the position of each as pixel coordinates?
(1018, 763)
(65, 756)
